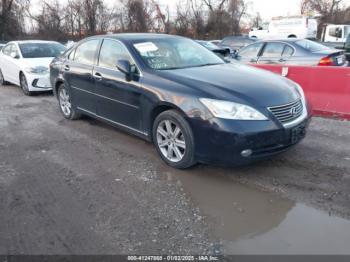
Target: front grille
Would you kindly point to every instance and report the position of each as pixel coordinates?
(289, 112)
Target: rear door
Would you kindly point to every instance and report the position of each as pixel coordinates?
(77, 71)
(118, 98)
(250, 54)
(272, 53)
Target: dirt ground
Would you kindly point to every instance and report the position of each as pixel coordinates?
(83, 187)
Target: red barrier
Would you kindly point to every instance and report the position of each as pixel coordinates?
(327, 88)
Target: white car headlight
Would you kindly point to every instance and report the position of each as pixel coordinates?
(231, 110)
(37, 70)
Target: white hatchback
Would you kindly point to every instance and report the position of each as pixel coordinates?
(26, 64)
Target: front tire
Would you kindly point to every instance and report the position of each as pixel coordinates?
(65, 104)
(2, 79)
(173, 139)
(24, 85)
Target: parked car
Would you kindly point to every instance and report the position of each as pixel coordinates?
(26, 64)
(1, 46)
(291, 52)
(221, 51)
(215, 42)
(235, 43)
(287, 27)
(176, 93)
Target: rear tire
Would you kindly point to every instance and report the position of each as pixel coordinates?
(64, 101)
(24, 85)
(174, 140)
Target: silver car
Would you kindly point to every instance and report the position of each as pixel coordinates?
(291, 52)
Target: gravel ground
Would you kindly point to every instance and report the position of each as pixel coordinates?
(82, 187)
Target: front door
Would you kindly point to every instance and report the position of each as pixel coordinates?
(118, 99)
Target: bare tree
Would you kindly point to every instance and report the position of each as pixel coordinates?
(257, 21)
(182, 23)
(237, 9)
(50, 20)
(12, 18)
(330, 11)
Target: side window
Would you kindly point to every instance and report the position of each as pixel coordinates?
(336, 32)
(111, 52)
(7, 49)
(273, 50)
(251, 51)
(85, 53)
(14, 49)
(288, 51)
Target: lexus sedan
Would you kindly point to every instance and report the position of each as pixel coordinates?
(291, 52)
(26, 64)
(190, 103)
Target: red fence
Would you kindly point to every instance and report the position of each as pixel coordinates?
(327, 88)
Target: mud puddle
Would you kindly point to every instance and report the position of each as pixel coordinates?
(249, 221)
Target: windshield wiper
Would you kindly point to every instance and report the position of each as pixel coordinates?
(208, 64)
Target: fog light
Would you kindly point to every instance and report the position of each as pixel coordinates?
(247, 153)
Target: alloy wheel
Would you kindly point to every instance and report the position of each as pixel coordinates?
(171, 141)
(65, 103)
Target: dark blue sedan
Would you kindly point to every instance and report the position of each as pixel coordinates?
(174, 92)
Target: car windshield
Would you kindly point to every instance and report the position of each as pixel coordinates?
(311, 46)
(37, 50)
(175, 53)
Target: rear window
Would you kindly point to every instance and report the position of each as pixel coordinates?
(311, 46)
(37, 50)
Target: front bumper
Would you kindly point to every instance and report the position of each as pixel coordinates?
(221, 142)
(38, 82)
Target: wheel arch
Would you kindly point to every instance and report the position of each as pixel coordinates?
(57, 85)
(157, 110)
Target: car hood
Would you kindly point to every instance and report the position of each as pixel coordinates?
(36, 62)
(236, 82)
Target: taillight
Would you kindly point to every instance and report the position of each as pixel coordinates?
(326, 61)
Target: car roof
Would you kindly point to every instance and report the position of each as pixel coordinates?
(286, 40)
(32, 41)
(135, 36)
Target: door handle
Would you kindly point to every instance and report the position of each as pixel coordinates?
(66, 68)
(98, 76)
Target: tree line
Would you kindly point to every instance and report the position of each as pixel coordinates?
(201, 19)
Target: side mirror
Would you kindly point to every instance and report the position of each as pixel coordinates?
(14, 55)
(234, 54)
(125, 67)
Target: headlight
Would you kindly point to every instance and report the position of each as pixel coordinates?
(231, 110)
(37, 70)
